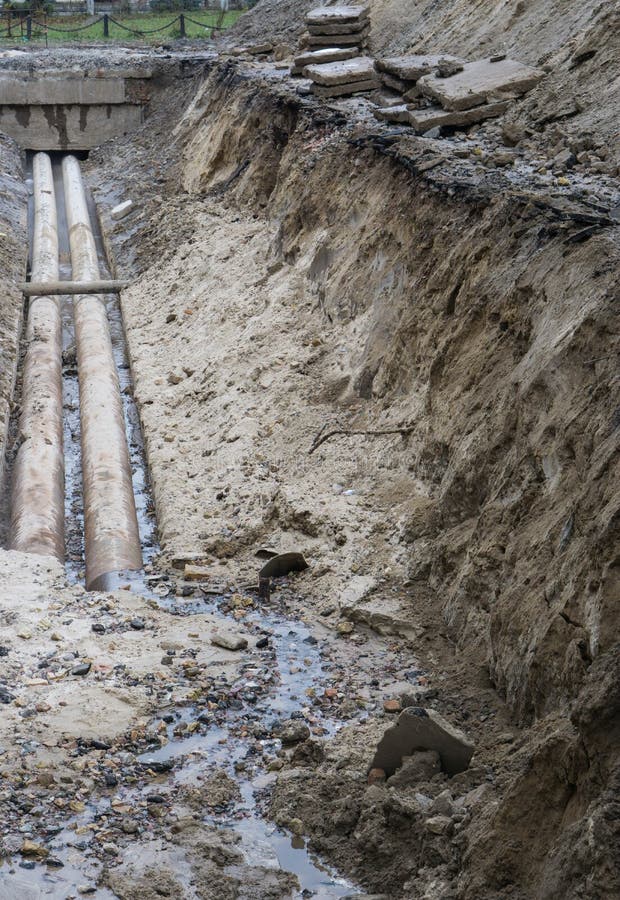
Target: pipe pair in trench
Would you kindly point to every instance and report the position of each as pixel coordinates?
(111, 537)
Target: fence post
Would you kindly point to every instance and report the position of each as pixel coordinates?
(106, 25)
(28, 27)
(182, 24)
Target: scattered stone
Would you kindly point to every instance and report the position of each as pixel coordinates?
(344, 90)
(98, 628)
(30, 848)
(392, 706)
(81, 669)
(325, 15)
(229, 641)
(376, 776)
(292, 731)
(438, 824)
(261, 643)
(123, 209)
(195, 573)
(423, 729)
(398, 113)
(158, 765)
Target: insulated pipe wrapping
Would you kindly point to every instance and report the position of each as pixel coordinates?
(111, 536)
(37, 507)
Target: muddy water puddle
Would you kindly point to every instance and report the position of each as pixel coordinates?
(230, 731)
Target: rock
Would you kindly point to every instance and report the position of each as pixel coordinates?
(478, 80)
(292, 731)
(423, 729)
(343, 90)
(137, 624)
(81, 669)
(261, 643)
(309, 753)
(448, 66)
(392, 114)
(317, 41)
(392, 706)
(158, 765)
(438, 824)
(123, 209)
(175, 377)
(339, 28)
(416, 769)
(30, 848)
(229, 640)
(129, 826)
(376, 776)
(195, 573)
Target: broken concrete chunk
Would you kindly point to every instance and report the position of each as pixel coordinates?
(478, 80)
(396, 84)
(412, 67)
(282, 564)
(435, 117)
(423, 729)
(123, 209)
(325, 15)
(229, 640)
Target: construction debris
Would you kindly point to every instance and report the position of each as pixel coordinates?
(342, 78)
(338, 26)
(423, 729)
(481, 81)
(464, 93)
(317, 57)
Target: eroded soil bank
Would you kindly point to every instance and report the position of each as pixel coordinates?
(397, 358)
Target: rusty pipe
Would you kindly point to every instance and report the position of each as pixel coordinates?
(37, 502)
(111, 536)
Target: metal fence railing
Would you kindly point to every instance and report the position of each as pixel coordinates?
(35, 25)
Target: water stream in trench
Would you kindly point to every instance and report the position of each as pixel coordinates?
(267, 690)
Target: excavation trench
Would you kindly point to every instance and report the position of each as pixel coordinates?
(81, 494)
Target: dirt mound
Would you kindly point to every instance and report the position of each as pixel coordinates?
(451, 329)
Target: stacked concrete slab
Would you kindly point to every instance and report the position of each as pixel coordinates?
(452, 93)
(337, 26)
(340, 79)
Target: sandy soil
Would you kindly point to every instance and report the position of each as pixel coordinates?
(395, 356)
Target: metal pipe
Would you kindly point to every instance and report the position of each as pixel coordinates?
(111, 534)
(37, 507)
(64, 288)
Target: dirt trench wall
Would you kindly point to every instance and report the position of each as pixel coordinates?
(493, 338)
(13, 259)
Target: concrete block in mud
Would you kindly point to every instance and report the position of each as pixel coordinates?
(436, 117)
(325, 15)
(414, 66)
(343, 90)
(478, 81)
(423, 729)
(347, 71)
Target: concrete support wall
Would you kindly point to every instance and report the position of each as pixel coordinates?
(68, 127)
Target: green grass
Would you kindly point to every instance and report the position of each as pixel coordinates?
(136, 21)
